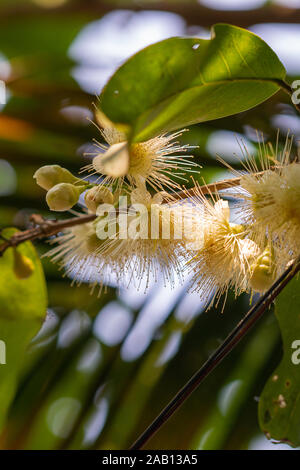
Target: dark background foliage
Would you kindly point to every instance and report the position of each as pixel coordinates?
(101, 369)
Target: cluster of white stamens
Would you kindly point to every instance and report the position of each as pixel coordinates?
(155, 161)
(166, 236)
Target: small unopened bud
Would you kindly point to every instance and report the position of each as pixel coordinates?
(263, 272)
(140, 196)
(96, 196)
(23, 266)
(49, 175)
(63, 196)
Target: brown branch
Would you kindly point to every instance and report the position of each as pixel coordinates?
(191, 11)
(43, 229)
(208, 188)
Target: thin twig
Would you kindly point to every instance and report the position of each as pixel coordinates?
(208, 188)
(192, 12)
(45, 228)
(229, 343)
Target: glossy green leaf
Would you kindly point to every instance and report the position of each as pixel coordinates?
(182, 81)
(23, 302)
(279, 405)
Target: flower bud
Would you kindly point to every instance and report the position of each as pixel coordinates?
(23, 266)
(63, 196)
(96, 196)
(141, 196)
(49, 175)
(263, 272)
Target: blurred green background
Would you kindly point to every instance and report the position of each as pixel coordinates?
(101, 369)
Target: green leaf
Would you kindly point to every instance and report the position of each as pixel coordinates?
(279, 405)
(182, 81)
(23, 301)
